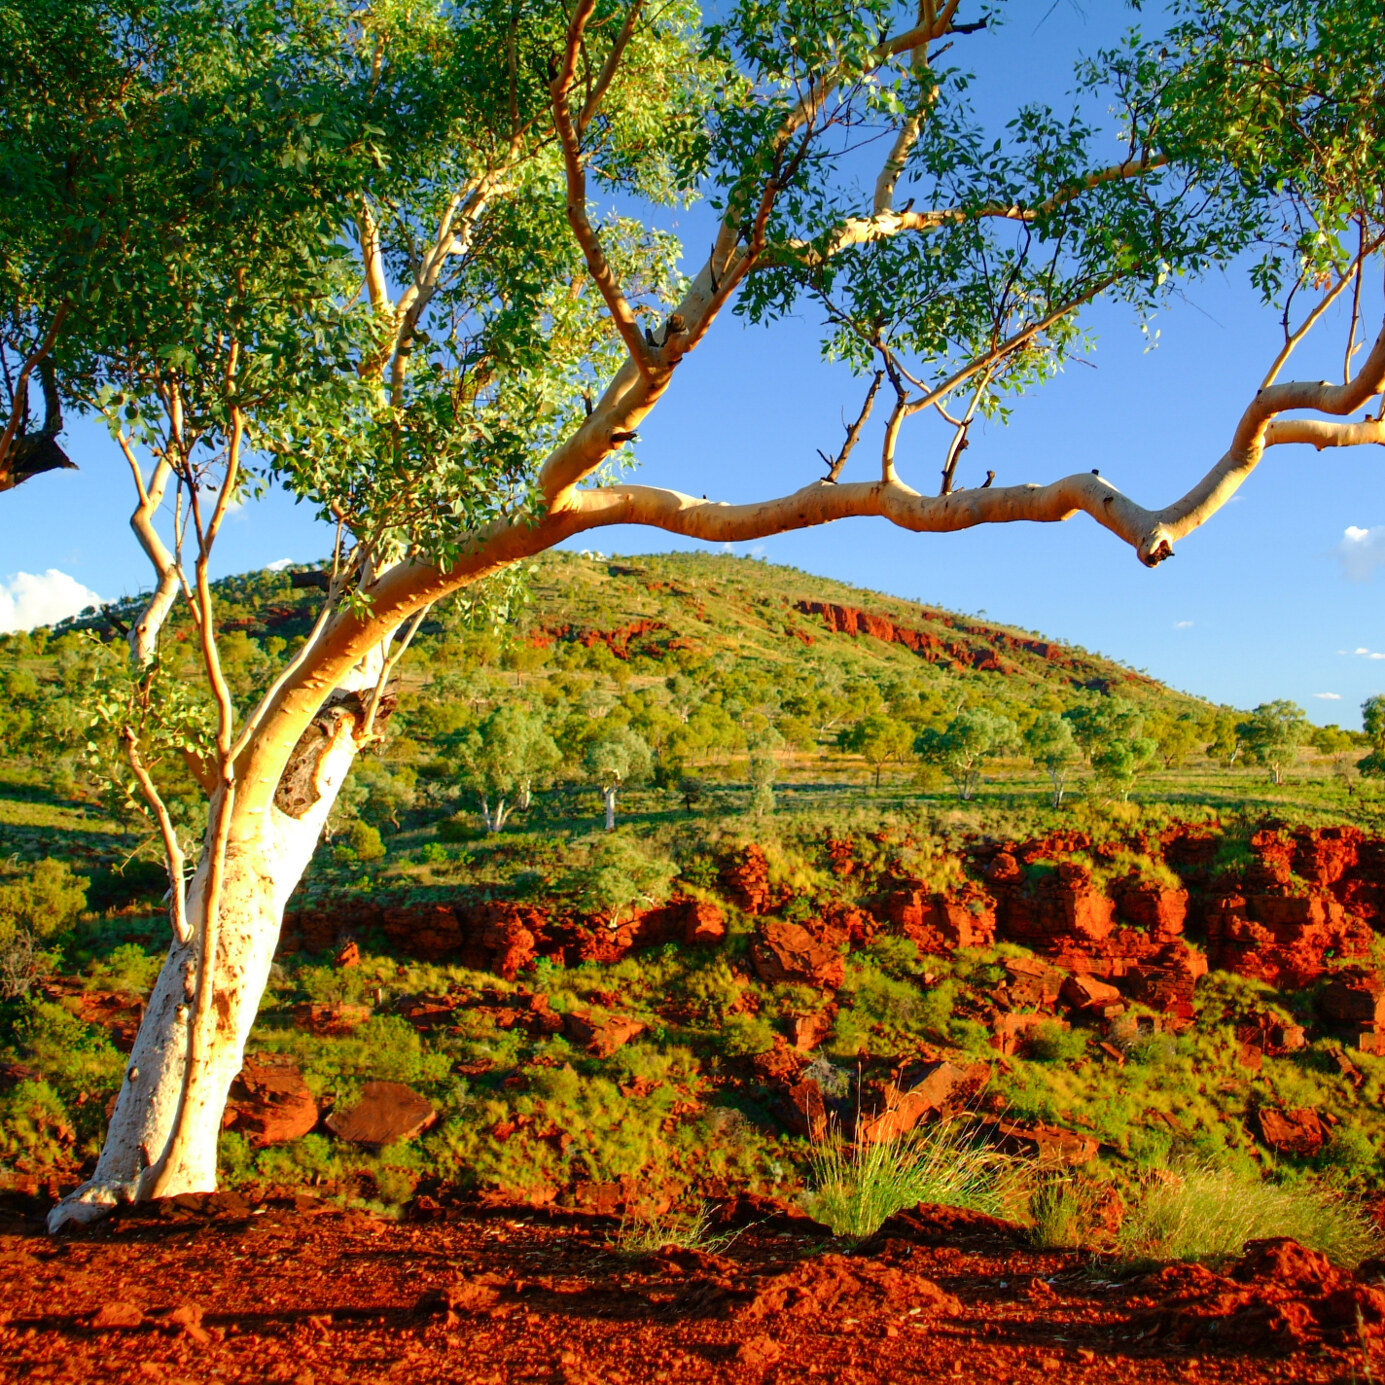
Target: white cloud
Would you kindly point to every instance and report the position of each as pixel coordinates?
(1182, 625)
(28, 599)
(278, 565)
(1329, 697)
(1365, 653)
(1361, 551)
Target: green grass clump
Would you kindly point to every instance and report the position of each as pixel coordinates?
(1203, 1212)
(1057, 1211)
(682, 1228)
(855, 1187)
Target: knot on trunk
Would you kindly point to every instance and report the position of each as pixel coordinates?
(297, 791)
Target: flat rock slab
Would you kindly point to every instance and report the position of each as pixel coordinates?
(386, 1113)
(601, 1037)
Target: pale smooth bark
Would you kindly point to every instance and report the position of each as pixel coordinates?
(163, 1134)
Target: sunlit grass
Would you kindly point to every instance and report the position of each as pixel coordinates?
(1201, 1212)
(855, 1187)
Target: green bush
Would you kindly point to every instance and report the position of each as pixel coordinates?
(365, 841)
(44, 903)
(1052, 1042)
(126, 968)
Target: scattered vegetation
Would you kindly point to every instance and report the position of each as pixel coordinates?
(1201, 1211)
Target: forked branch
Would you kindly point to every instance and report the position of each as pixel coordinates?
(576, 174)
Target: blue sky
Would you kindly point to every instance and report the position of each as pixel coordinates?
(1278, 596)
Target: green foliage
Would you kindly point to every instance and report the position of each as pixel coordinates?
(854, 1187)
(43, 902)
(1205, 1212)
(964, 745)
(1272, 735)
(879, 740)
(620, 874)
(365, 842)
(127, 967)
(1053, 747)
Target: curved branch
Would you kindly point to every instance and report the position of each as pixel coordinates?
(886, 223)
(582, 228)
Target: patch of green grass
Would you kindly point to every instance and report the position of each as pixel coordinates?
(1205, 1212)
(855, 1188)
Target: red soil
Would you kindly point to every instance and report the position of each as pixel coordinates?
(292, 1290)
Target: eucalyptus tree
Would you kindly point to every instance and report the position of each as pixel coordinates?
(368, 252)
(503, 758)
(1052, 746)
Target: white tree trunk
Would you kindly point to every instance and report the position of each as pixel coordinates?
(609, 798)
(149, 1150)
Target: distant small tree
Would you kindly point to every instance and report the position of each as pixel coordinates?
(616, 757)
(1053, 748)
(1272, 735)
(1336, 744)
(1220, 740)
(1118, 761)
(763, 745)
(879, 739)
(1099, 719)
(1176, 737)
(1372, 764)
(503, 758)
(683, 695)
(34, 909)
(619, 876)
(967, 742)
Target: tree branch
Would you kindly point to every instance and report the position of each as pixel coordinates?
(608, 68)
(173, 853)
(587, 239)
(23, 456)
(885, 223)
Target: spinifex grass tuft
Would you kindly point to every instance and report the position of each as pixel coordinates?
(1201, 1212)
(855, 1187)
(687, 1229)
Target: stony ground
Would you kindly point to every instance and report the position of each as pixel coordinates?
(295, 1290)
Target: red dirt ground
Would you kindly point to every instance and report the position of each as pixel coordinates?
(222, 1289)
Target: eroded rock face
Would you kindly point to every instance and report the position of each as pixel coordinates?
(786, 952)
(942, 1089)
(1295, 1131)
(270, 1102)
(329, 1019)
(387, 1113)
(745, 880)
(1281, 1297)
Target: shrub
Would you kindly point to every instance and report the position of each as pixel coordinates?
(43, 904)
(127, 968)
(1057, 1212)
(365, 841)
(1205, 1212)
(856, 1187)
(685, 1229)
(1052, 1042)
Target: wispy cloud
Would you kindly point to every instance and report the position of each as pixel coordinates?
(1364, 653)
(1183, 625)
(28, 599)
(1361, 551)
(1329, 697)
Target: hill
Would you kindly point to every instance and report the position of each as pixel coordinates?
(1078, 1004)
